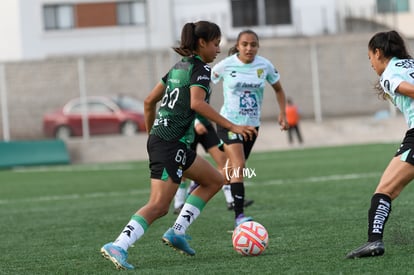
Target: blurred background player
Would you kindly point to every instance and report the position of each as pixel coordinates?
(183, 92)
(293, 118)
(206, 135)
(244, 75)
(180, 196)
(395, 66)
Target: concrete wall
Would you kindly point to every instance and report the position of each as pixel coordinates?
(346, 80)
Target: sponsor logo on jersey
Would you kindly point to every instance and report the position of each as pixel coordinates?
(248, 104)
(180, 172)
(387, 85)
(232, 136)
(174, 80)
(260, 73)
(248, 85)
(203, 77)
(161, 121)
(405, 63)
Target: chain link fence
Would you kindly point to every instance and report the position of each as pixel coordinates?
(327, 76)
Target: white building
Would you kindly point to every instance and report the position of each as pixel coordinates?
(394, 14)
(36, 29)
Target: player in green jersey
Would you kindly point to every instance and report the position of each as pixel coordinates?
(205, 134)
(182, 93)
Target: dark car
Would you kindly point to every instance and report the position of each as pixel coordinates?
(106, 115)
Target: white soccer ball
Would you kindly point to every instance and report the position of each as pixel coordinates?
(250, 238)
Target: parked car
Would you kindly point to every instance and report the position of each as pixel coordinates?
(106, 115)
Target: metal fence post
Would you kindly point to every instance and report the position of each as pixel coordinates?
(82, 93)
(316, 89)
(3, 99)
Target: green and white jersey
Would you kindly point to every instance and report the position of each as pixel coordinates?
(175, 118)
(243, 87)
(397, 71)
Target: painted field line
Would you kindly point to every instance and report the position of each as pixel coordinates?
(73, 168)
(76, 196)
(315, 179)
(146, 191)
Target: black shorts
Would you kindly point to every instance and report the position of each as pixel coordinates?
(406, 150)
(168, 158)
(208, 140)
(228, 137)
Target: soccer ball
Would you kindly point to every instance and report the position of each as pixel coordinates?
(250, 238)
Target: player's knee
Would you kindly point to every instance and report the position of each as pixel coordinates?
(218, 181)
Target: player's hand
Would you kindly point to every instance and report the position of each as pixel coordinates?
(284, 125)
(248, 132)
(200, 129)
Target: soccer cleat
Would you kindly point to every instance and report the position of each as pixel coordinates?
(178, 210)
(117, 255)
(178, 242)
(369, 249)
(241, 219)
(247, 203)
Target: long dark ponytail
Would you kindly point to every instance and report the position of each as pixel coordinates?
(190, 34)
(390, 44)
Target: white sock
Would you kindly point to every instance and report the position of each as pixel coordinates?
(227, 193)
(131, 233)
(186, 217)
(180, 195)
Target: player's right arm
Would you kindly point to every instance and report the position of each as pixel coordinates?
(150, 105)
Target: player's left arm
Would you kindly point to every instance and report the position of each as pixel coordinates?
(200, 106)
(281, 100)
(199, 127)
(406, 88)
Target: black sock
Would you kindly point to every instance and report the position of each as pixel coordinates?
(378, 216)
(237, 191)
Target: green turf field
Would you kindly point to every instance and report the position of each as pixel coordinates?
(313, 203)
